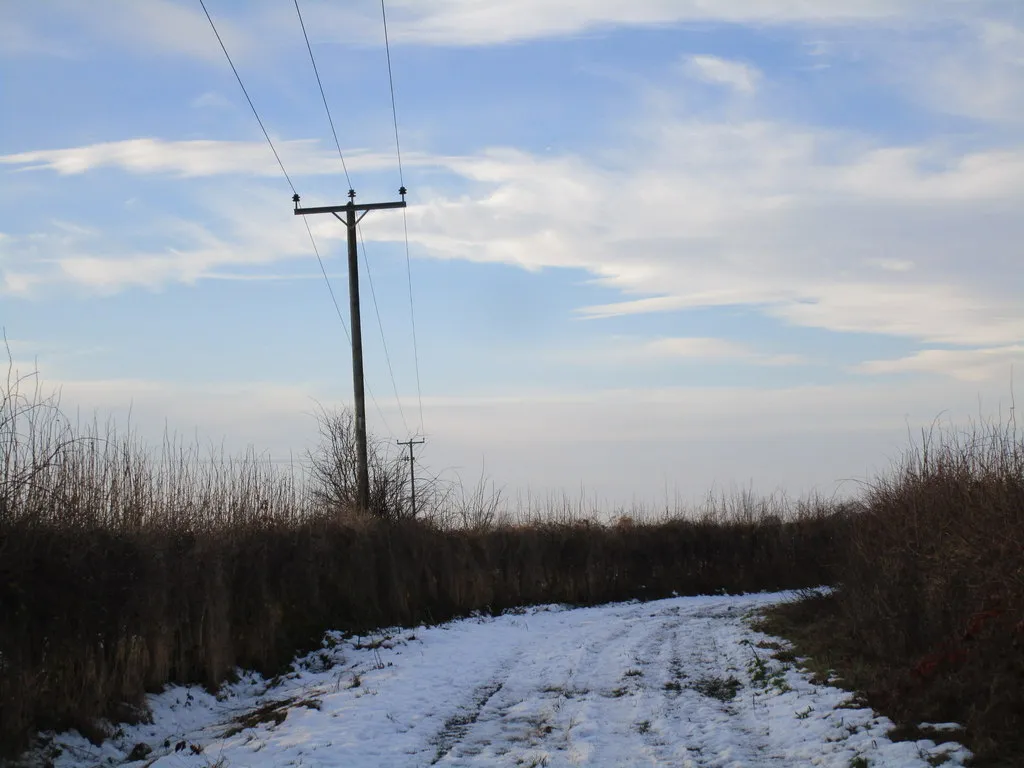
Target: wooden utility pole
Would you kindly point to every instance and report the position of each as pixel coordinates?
(351, 221)
(412, 469)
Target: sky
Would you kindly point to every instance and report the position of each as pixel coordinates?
(655, 249)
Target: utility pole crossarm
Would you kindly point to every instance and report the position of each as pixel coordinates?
(349, 206)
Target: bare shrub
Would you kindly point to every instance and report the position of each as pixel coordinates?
(334, 471)
(928, 619)
(480, 508)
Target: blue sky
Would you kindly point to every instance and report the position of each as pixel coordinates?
(660, 245)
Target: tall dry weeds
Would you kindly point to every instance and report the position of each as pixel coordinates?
(123, 569)
(928, 619)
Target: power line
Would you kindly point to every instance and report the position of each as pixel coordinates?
(348, 179)
(405, 218)
(334, 299)
(278, 157)
(322, 94)
(391, 82)
(309, 231)
(240, 85)
(344, 325)
(369, 274)
(380, 325)
(380, 412)
(412, 318)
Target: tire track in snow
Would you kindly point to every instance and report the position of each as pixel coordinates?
(708, 698)
(620, 683)
(528, 715)
(635, 678)
(458, 726)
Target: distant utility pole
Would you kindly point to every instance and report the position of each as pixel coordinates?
(350, 221)
(412, 468)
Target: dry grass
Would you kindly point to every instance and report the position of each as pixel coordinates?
(929, 617)
(123, 569)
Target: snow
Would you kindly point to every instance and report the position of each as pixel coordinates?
(678, 682)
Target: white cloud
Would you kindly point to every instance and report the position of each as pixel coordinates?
(975, 365)
(696, 347)
(701, 348)
(20, 39)
(733, 74)
(892, 265)
(303, 157)
(482, 22)
(932, 174)
(243, 237)
(767, 214)
(987, 80)
(18, 283)
(820, 228)
(143, 26)
(211, 100)
(760, 214)
(253, 32)
(633, 351)
(975, 70)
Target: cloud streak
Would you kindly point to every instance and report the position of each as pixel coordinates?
(711, 349)
(471, 22)
(244, 238)
(741, 77)
(146, 27)
(197, 158)
(800, 223)
(979, 75)
(972, 365)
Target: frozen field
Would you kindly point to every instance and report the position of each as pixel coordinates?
(679, 682)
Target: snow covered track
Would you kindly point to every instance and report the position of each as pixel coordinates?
(679, 682)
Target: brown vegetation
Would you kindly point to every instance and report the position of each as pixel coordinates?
(928, 619)
(122, 570)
